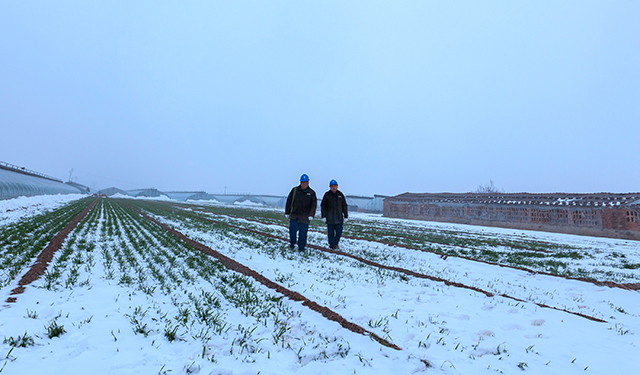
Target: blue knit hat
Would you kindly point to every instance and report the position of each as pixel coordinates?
(333, 182)
(304, 178)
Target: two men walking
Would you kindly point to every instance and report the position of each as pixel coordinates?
(301, 207)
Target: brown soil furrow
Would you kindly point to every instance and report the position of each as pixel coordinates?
(611, 284)
(403, 270)
(42, 261)
(295, 296)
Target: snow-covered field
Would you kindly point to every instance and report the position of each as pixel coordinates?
(131, 298)
(12, 210)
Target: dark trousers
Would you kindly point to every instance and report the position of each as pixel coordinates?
(294, 228)
(335, 231)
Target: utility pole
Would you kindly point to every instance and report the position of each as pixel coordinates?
(70, 173)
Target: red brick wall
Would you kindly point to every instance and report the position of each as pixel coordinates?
(620, 219)
(593, 221)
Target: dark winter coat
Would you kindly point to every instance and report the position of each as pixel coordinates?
(334, 207)
(304, 204)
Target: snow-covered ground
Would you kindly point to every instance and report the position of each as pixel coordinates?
(114, 325)
(12, 210)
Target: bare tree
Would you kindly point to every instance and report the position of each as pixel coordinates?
(488, 188)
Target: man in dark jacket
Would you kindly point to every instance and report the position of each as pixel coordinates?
(300, 209)
(334, 211)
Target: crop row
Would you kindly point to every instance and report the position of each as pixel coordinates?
(22, 241)
(333, 277)
(537, 256)
(208, 303)
(248, 233)
(178, 294)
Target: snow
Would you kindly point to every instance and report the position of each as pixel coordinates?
(455, 330)
(12, 210)
(120, 196)
(203, 201)
(248, 203)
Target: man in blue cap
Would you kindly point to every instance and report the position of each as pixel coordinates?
(300, 209)
(334, 211)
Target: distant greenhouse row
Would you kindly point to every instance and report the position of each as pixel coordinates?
(19, 182)
(356, 203)
(601, 214)
(16, 181)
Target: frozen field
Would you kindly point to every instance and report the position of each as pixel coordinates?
(125, 295)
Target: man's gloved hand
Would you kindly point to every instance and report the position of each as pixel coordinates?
(344, 220)
(287, 216)
(310, 218)
(324, 219)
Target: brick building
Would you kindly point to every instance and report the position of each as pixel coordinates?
(600, 214)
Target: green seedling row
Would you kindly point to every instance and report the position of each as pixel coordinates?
(21, 242)
(116, 244)
(179, 295)
(514, 251)
(333, 272)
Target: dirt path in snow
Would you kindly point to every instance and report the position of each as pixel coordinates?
(42, 261)
(295, 296)
(396, 269)
(611, 284)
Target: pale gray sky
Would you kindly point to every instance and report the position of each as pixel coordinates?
(385, 97)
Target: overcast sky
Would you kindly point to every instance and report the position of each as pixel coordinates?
(385, 97)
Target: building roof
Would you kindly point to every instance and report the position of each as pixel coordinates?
(547, 199)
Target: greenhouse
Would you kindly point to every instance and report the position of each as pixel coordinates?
(16, 183)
